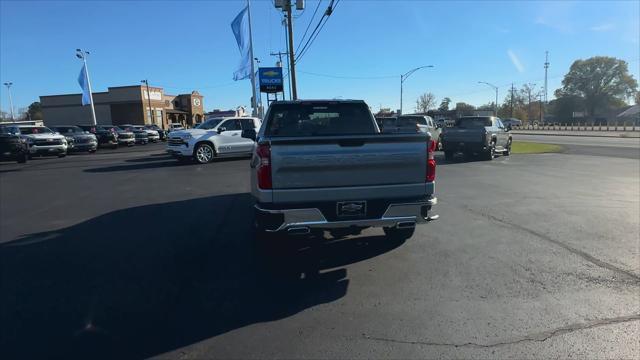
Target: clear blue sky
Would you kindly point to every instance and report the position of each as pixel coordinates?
(188, 45)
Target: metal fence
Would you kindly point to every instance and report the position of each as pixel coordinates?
(623, 126)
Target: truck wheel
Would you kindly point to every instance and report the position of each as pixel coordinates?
(448, 155)
(507, 152)
(204, 153)
(399, 235)
(491, 153)
(61, 155)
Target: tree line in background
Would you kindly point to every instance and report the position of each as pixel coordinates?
(594, 90)
(33, 112)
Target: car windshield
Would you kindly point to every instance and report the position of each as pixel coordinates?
(68, 130)
(35, 130)
(319, 119)
(473, 123)
(209, 124)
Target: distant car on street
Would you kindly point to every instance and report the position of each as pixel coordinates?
(484, 135)
(412, 124)
(77, 139)
(511, 122)
(12, 145)
(105, 138)
(43, 141)
(216, 137)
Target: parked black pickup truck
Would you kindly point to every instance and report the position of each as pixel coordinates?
(482, 135)
(105, 137)
(12, 145)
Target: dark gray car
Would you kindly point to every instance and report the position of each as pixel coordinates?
(482, 135)
(77, 139)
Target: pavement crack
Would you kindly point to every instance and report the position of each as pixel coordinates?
(582, 254)
(538, 337)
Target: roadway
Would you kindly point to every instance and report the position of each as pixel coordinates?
(588, 145)
(130, 255)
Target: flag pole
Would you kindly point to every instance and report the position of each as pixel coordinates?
(253, 71)
(86, 73)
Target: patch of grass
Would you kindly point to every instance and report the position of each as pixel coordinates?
(525, 147)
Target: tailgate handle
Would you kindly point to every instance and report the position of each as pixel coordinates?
(353, 142)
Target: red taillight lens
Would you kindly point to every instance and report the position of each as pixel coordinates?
(264, 166)
(431, 161)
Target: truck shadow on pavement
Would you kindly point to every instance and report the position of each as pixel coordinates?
(142, 281)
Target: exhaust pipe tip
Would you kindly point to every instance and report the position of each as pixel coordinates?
(302, 230)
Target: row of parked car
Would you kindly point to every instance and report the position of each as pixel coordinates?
(21, 142)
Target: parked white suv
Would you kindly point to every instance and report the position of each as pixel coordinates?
(216, 137)
(43, 141)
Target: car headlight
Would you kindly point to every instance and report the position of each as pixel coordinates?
(186, 137)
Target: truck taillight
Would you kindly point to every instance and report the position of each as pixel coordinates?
(431, 161)
(264, 166)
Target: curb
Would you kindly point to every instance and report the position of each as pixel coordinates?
(581, 135)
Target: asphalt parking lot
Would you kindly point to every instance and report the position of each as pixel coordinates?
(130, 254)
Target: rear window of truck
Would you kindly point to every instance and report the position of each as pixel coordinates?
(319, 119)
(473, 122)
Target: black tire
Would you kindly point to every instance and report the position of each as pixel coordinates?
(490, 154)
(22, 158)
(114, 146)
(61, 155)
(507, 152)
(204, 153)
(92, 151)
(448, 155)
(395, 234)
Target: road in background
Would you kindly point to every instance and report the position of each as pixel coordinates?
(583, 145)
(136, 255)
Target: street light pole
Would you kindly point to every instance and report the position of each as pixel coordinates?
(495, 105)
(152, 117)
(82, 54)
(8, 85)
(404, 77)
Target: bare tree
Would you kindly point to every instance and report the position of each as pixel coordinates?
(425, 102)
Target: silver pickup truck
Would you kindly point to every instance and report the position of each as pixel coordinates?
(325, 165)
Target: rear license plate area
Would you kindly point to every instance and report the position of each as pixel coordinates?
(351, 208)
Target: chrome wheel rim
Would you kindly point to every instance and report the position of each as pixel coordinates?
(204, 154)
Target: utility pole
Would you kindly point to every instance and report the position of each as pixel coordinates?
(279, 55)
(82, 54)
(546, 68)
(152, 117)
(8, 85)
(292, 64)
(512, 99)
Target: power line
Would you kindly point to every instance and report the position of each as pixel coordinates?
(308, 25)
(317, 30)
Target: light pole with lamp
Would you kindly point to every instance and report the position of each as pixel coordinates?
(8, 85)
(151, 116)
(404, 77)
(495, 105)
(82, 55)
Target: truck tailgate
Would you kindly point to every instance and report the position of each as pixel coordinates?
(349, 161)
(464, 135)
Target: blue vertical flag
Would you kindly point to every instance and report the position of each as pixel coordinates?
(84, 84)
(240, 28)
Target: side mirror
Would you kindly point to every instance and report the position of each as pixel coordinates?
(222, 129)
(249, 134)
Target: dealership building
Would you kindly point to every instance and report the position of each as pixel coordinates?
(125, 105)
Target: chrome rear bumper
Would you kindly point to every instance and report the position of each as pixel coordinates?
(396, 215)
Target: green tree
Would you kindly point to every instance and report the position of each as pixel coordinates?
(425, 102)
(35, 111)
(637, 97)
(444, 104)
(463, 108)
(601, 81)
